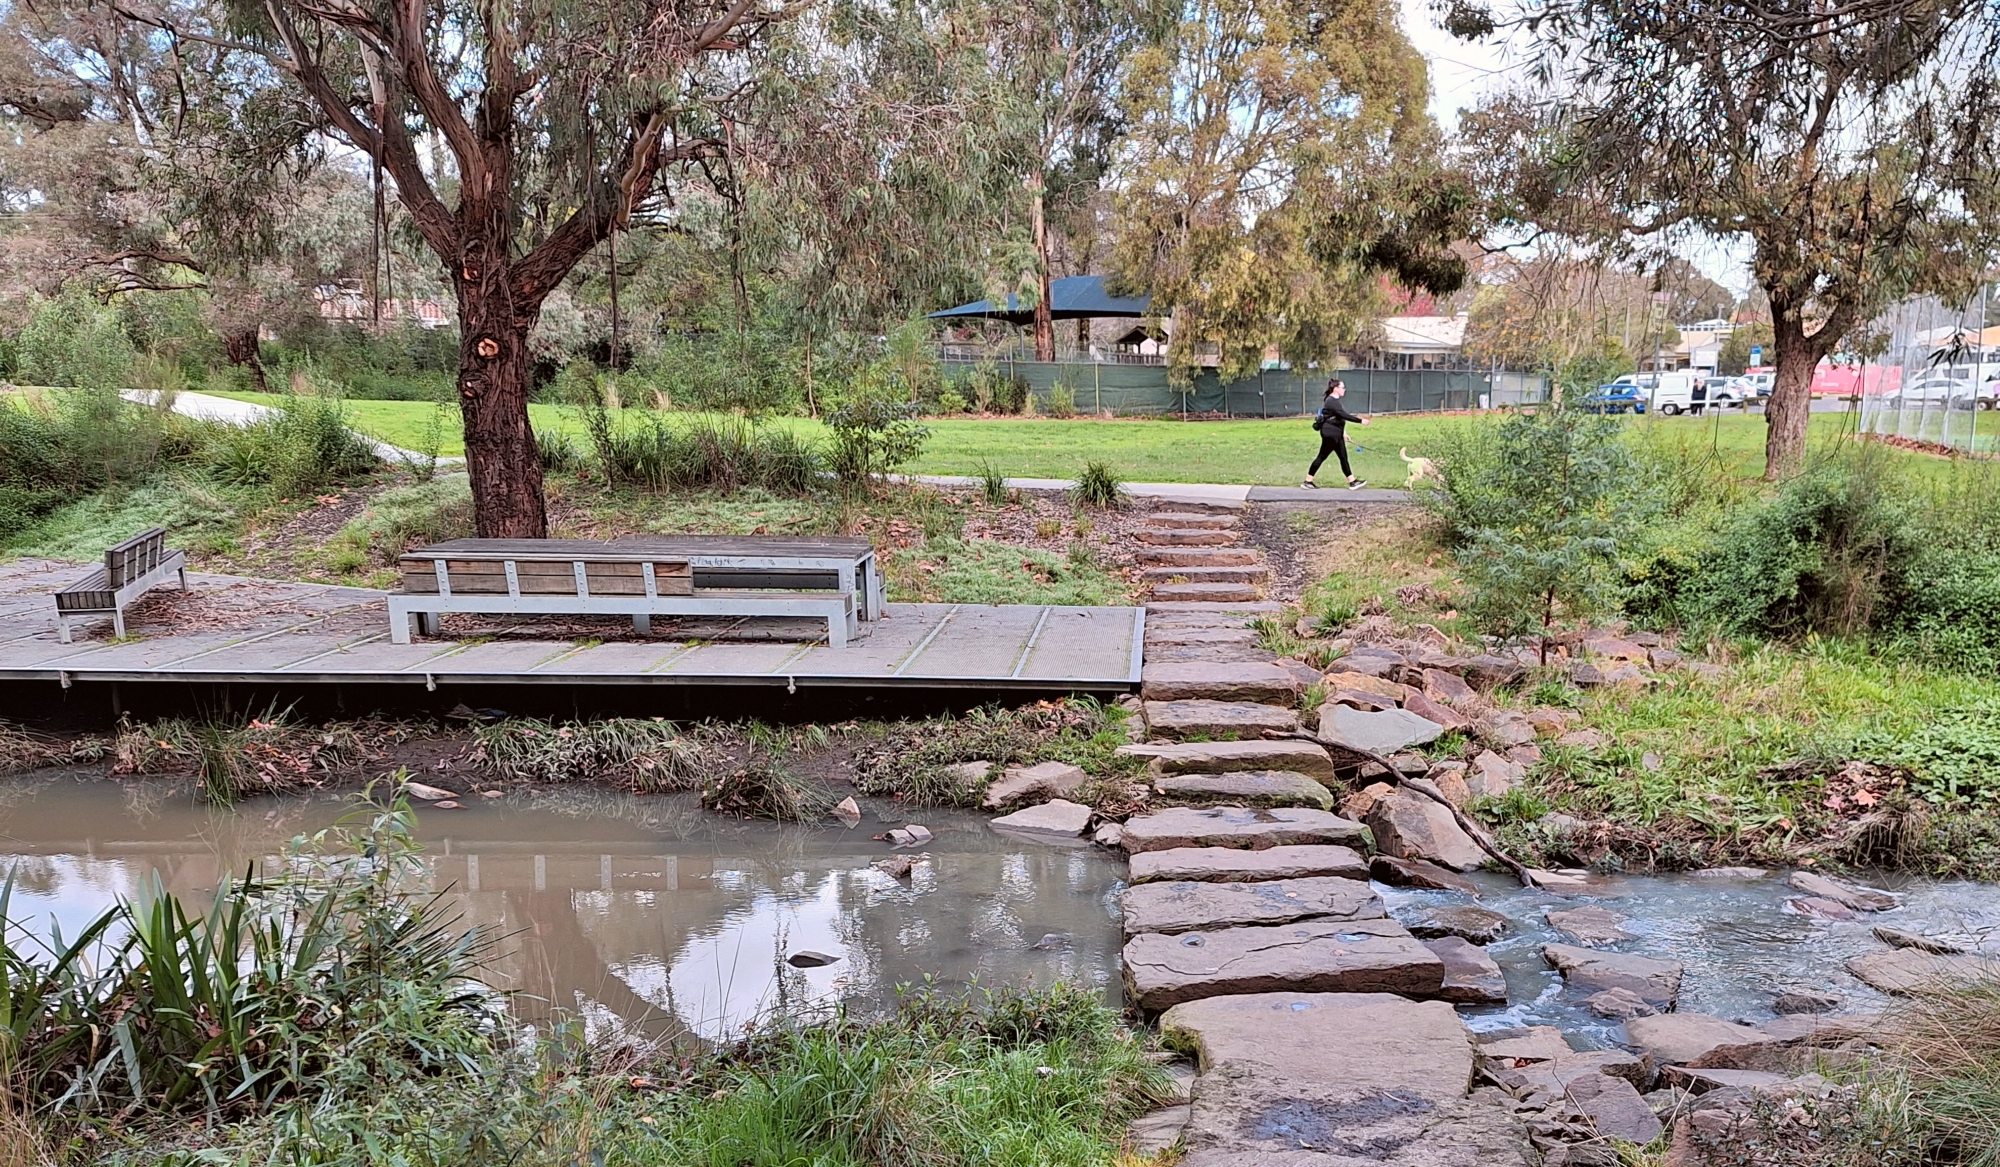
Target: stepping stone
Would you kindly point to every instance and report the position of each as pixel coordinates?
(1185, 520)
(1380, 733)
(1058, 819)
(1198, 556)
(1681, 1038)
(1242, 573)
(1163, 636)
(1218, 719)
(1699, 1081)
(1614, 1107)
(1246, 788)
(1470, 976)
(1047, 780)
(1847, 895)
(1230, 865)
(1362, 682)
(1210, 653)
(1907, 971)
(1203, 591)
(1794, 1002)
(1237, 826)
(1618, 1005)
(1509, 1048)
(1590, 924)
(1184, 537)
(1307, 758)
(1154, 1132)
(1478, 925)
(1406, 825)
(1898, 938)
(1311, 956)
(1363, 1077)
(1265, 683)
(1658, 981)
(1186, 905)
(1417, 873)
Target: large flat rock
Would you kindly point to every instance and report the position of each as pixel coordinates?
(1658, 981)
(1218, 718)
(1337, 1080)
(1382, 732)
(1847, 895)
(1904, 971)
(1194, 681)
(1020, 783)
(1312, 956)
(1680, 1038)
(1470, 976)
(1234, 865)
(1056, 819)
(1246, 788)
(1303, 757)
(1188, 905)
(1237, 826)
(1407, 825)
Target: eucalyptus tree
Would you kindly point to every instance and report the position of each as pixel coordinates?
(1855, 147)
(1278, 162)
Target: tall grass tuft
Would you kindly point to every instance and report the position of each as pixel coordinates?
(651, 756)
(1948, 1042)
(992, 485)
(1098, 486)
(709, 452)
(766, 791)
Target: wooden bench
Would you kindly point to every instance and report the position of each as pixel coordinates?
(131, 569)
(835, 580)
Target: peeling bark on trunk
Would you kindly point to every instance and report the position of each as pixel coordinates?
(242, 348)
(1791, 392)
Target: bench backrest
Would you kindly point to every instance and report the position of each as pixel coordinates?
(541, 574)
(134, 557)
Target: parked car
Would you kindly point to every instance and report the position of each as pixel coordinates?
(1988, 396)
(1679, 392)
(1932, 389)
(1759, 383)
(1614, 398)
(1725, 392)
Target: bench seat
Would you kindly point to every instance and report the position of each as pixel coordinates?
(131, 568)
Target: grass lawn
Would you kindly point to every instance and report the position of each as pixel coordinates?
(1147, 450)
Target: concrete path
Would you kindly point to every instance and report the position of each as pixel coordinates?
(1213, 493)
(208, 407)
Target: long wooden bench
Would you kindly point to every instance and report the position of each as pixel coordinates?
(835, 580)
(131, 569)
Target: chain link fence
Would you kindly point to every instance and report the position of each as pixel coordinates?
(1935, 381)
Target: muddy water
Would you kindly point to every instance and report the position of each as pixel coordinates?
(645, 909)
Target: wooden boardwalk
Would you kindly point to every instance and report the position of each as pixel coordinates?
(233, 630)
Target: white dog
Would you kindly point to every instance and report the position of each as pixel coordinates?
(1420, 469)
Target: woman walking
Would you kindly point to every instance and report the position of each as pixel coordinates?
(1331, 422)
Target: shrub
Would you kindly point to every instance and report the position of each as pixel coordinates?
(1098, 486)
(557, 452)
(914, 760)
(407, 516)
(1538, 509)
(872, 437)
(1062, 400)
(72, 341)
(949, 401)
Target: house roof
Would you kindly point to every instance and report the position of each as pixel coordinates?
(1070, 298)
(1422, 333)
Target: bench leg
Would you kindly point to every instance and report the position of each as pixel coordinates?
(642, 624)
(118, 622)
(183, 573)
(399, 625)
(62, 629)
(836, 631)
(430, 623)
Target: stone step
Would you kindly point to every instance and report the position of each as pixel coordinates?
(1194, 681)
(1308, 758)
(1212, 653)
(1362, 1077)
(1185, 608)
(1245, 788)
(1310, 956)
(1230, 865)
(1204, 591)
(1239, 826)
(1218, 719)
(1160, 636)
(1191, 520)
(1189, 906)
(1197, 556)
(1234, 573)
(1184, 537)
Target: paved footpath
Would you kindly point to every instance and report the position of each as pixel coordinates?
(208, 407)
(1233, 494)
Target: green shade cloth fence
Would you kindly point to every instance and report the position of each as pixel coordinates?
(1143, 389)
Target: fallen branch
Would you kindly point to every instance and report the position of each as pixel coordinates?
(1423, 786)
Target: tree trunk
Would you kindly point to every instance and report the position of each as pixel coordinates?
(500, 454)
(1791, 391)
(241, 346)
(1045, 328)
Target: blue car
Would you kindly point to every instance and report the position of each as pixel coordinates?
(1615, 398)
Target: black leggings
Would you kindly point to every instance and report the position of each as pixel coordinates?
(1332, 441)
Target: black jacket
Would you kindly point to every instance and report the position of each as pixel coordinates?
(1333, 417)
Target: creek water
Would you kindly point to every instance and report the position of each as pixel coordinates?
(671, 920)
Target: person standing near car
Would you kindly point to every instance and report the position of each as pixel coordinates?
(1331, 422)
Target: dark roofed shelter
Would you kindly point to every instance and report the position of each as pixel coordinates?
(1070, 298)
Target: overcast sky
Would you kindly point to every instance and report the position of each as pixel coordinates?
(1462, 72)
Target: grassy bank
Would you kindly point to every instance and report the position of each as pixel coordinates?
(1274, 452)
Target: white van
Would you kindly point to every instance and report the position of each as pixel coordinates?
(1678, 392)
